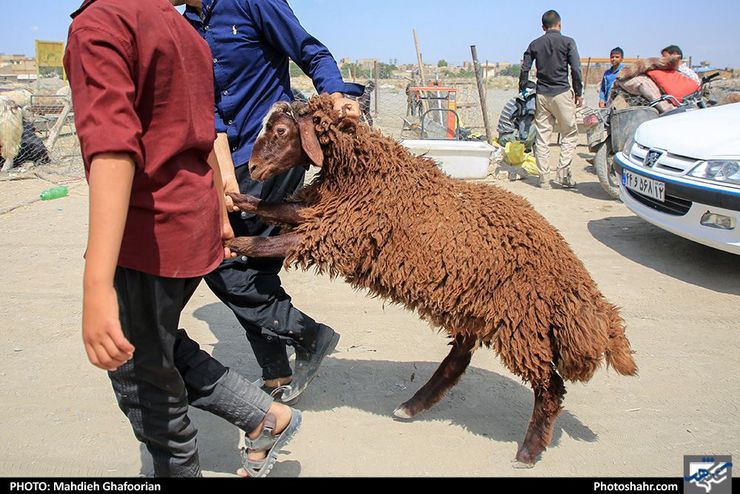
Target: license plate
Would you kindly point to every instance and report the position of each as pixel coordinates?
(643, 185)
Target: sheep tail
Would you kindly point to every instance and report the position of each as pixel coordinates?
(586, 334)
(618, 350)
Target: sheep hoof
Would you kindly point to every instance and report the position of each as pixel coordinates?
(402, 413)
(519, 465)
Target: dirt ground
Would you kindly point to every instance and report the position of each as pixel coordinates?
(680, 301)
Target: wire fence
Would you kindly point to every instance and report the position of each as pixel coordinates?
(38, 136)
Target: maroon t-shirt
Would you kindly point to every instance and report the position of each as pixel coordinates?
(142, 84)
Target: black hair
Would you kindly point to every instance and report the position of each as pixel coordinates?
(550, 19)
(672, 50)
(617, 50)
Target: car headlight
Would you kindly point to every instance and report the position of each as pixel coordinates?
(718, 170)
(628, 146)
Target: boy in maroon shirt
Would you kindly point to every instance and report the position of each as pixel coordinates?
(142, 90)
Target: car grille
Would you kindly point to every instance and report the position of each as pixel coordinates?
(672, 205)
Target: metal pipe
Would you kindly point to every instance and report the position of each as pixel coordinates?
(481, 93)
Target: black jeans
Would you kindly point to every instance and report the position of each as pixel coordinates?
(169, 371)
(251, 288)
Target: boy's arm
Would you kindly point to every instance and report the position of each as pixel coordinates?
(574, 60)
(280, 27)
(100, 70)
(527, 61)
(227, 233)
(111, 176)
(602, 93)
(225, 165)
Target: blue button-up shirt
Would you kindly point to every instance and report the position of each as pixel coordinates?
(251, 42)
(607, 82)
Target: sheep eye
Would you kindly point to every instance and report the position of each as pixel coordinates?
(281, 131)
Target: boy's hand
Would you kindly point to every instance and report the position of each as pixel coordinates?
(349, 108)
(602, 104)
(230, 186)
(105, 344)
(227, 234)
(579, 101)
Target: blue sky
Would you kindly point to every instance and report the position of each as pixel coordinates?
(501, 29)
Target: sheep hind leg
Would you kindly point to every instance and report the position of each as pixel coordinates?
(446, 376)
(9, 163)
(547, 405)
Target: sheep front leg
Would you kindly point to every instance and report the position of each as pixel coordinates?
(279, 246)
(446, 376)
(285, 213)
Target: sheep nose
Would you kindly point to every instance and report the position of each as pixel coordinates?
(252, 168)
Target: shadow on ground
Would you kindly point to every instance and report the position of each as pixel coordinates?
(690, 262)
(484, 403)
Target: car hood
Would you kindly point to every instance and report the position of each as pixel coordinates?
(700, 134)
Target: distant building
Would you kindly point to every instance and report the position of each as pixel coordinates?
(708, 71)
(19, 70)
(6, 60)
(367, 63)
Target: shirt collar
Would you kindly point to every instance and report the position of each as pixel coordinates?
(206, 8)
(84, 5)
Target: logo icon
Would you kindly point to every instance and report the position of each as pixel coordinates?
(707, 474)
(652, 158)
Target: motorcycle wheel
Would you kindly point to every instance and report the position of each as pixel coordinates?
(604, 165)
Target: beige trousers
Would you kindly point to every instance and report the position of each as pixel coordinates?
(557, 110)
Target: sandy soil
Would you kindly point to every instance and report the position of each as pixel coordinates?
(680, 301)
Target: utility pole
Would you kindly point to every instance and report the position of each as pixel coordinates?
(481, 93)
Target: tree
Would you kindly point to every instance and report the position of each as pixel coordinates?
(442, 63)
(511, 70)
(386, 70)
(295, 70)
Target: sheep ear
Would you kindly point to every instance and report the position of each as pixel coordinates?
(310, 142)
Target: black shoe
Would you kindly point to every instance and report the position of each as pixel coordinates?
(308, 360)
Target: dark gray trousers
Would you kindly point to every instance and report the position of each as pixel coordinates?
(251, 288)
(169, 371)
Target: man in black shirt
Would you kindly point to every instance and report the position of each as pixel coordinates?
(556, 101)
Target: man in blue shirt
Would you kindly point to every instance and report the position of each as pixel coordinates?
(251, 43)
(615, 57)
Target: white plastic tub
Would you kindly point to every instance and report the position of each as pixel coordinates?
(458, 159)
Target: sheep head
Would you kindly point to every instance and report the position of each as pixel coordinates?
(292, 134)
(279, 146)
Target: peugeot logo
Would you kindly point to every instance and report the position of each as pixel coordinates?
(652, 158)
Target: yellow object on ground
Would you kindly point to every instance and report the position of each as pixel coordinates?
(516, 156)
(514, 153)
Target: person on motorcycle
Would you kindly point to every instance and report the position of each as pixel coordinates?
(683, 68)
(615, 57)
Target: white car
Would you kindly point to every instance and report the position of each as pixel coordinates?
(682, 173)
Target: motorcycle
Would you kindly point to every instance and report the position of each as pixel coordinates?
(609, 129)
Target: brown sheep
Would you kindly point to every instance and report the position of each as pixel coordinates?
(472, 259)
